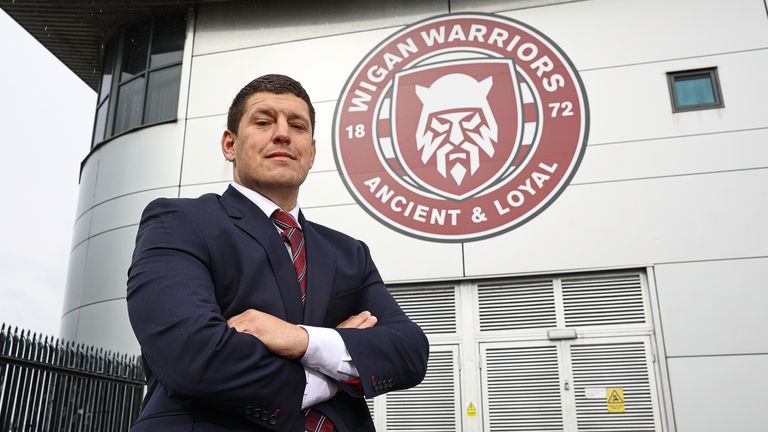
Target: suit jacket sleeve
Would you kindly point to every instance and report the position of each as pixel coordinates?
(393, 354)
(185, 340)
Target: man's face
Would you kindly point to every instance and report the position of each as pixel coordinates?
(273, 148)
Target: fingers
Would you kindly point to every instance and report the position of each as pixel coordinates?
(360, 321)
(280, 337)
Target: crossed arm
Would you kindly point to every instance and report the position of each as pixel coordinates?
(283, 338)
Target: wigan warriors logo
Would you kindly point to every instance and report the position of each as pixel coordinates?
(460, 127)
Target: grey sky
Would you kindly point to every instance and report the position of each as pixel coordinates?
(46, 116)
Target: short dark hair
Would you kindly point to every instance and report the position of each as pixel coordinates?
(272, 83)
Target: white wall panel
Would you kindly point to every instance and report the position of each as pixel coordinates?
(106, 325)
(125, 210)
(324, 189)
(148, 158)
(87, 189)
(635, 223)
(674, 156)
(197, 190)
(68, 327)
(500, 5)
(109, 256)
(75, 273)
(398, 257)
(601, 33)
(82, 228)
(723, 303)
(229, 26)
(715, 394)
(317, 63)
(632, 103)
(324, 160)
(203, 160)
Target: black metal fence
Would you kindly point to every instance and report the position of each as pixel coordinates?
(49, 385)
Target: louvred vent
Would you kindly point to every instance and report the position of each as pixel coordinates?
(604, 300)
(516, 305)
(432, 308)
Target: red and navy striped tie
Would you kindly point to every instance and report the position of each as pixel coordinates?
(295, 238)
(314, 421)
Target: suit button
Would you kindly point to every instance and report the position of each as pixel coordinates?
(256, 413)
(264, 416)
(272, 420)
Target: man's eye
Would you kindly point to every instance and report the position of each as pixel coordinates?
(299, 126)
(261, 122)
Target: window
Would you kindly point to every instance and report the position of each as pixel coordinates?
(141, 76)
(694, 90)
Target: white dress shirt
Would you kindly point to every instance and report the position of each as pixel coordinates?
(327, 356)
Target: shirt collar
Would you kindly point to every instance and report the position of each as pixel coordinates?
(264, 203)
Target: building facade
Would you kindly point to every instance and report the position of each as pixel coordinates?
(633, 300)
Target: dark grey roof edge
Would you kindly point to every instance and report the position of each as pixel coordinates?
(75, 30)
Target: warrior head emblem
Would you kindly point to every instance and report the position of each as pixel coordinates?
(456, 123)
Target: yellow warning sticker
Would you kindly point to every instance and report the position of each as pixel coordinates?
(471, 410)
(615, 396)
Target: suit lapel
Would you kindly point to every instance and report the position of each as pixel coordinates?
(249, 218)
(321, 273)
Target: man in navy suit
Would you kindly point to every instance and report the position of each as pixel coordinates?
(244, 329)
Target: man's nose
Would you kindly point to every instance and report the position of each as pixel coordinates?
(282, 131)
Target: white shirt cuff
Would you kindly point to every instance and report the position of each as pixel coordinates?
(327, 353)
(318, 389)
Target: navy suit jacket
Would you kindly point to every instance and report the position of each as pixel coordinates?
(201, 261)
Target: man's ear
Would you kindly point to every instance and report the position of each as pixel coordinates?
(312, 159)
(228, 145)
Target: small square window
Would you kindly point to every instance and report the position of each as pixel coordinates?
(694, 90)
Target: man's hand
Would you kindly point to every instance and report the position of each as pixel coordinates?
(281, 338)
(360, 321)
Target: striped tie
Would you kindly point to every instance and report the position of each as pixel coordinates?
(314, 421)
(295, 238)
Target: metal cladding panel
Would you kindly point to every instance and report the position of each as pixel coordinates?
(82, 229)
(125, 210)
(665, 157)
(244, 24)
(106, 325)
(197, 190)
(203, 160)
(632, 223)
(398, 258)
(715, 394)
(89, 173)
(642, 109)
(724, 304)
(609, 33)
(108, 259)
(324, 160)
(147, 158)
(322, 190)
(68, 326)
(322, 66)
(74, 290)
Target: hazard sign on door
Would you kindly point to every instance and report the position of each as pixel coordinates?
(615, 396)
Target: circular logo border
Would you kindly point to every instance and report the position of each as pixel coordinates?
(500, 229)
